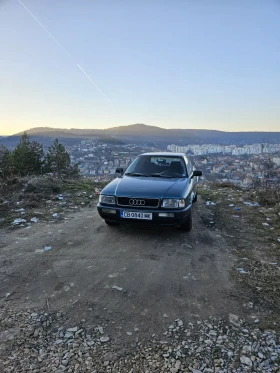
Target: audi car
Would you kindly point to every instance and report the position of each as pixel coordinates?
(156, 189)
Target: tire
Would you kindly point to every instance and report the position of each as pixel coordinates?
(187, 224)
(112, 223)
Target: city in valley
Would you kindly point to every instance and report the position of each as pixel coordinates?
(246, 165)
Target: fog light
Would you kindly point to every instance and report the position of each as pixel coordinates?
(166, 215)
(109, 211)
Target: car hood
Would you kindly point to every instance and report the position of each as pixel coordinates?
(148, 187)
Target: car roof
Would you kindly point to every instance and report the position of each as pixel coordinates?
(164, 154)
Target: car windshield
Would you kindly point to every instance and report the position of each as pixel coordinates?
(157, 166)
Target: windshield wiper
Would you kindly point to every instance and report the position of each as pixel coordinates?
(167, 176)
(159, 175)
(135, 174)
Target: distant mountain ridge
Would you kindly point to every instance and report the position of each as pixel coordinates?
(142, 133)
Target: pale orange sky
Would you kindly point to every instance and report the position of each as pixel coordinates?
(89, 64)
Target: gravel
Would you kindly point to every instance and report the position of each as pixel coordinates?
(41, 342)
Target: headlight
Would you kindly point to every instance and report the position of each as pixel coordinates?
(173, 203)
(109, 200)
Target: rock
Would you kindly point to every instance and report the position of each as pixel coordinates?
(18, 221)
(213, 333)
(117, 288)
(62, 368)
(179, 322)
(265, 363)
(36, 332)
(234, 320)
(68, 335)
(72, 330)
(104, 339)
(59, 341)
(55, 349)
(246, 360)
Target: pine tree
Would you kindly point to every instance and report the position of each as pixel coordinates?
(58, 160)
(28, 156)
(6, 162)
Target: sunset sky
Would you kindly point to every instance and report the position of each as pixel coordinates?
(169, 63)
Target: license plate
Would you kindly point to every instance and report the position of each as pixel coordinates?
(136, 215)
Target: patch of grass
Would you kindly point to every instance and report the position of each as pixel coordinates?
(40, 194)
(269, 197)
(208, 194)
(83, 185)
(263, 279)
(224, 184)
(46, 185)
(224, 196)
(59, 210)
(250, 239)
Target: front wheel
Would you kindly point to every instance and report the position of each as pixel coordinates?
(187, 223)
(111, 223)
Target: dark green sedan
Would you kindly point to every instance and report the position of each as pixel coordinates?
(156, 189)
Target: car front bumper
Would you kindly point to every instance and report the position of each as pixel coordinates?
(112, 213)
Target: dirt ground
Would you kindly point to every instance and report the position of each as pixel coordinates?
(123, 299)
(160, 274)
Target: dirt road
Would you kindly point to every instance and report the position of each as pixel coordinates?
(129, 277)
(136, 299)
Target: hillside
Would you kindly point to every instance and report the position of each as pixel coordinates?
(78, 294)
(141, 133)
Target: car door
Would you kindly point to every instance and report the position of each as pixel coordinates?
(193, 181)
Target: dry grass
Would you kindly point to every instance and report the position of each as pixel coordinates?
(263, 280)
(44, 184)
(266, 197)
(224, 184)
(250, 238)
(40, 193)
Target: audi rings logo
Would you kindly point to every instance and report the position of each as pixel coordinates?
(137, 202)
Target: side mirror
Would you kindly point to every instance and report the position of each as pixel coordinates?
(119, 170)
(196, 173)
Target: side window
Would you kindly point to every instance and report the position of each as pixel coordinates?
(190, 168)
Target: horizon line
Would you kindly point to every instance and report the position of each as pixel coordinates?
(134, 124)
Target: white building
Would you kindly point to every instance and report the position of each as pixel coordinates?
(225, 149)
(276, 160)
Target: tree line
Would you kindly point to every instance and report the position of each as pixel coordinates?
(28, 158)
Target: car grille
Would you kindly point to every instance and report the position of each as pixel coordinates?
(138, 202)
